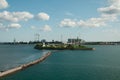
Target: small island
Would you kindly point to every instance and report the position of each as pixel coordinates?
(62, 47)
(72, 44)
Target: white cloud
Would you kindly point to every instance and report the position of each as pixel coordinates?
(9, 19)
(1, 26)
(33, 27)
(14, 25)
(46, 28)
(92, 22)
(110, 10)
(9, 26)
(108, 14)
(43, 16)
(68, 23)
(15, 16)
(3, 4)
(115, 3)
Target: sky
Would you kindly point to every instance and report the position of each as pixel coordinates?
(91, 20)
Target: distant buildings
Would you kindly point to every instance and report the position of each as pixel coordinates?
(75, 41)
(43, 40)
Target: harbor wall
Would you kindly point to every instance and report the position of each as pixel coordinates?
(24, 66)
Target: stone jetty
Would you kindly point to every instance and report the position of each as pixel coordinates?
(24, 66)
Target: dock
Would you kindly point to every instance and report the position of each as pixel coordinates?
(24, 66)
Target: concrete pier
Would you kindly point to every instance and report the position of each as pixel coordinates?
(24, 66)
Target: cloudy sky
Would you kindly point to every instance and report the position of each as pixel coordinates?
(91, 20)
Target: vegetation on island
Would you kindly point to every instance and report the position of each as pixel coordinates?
(62, 46)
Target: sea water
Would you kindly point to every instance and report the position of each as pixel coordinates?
(100, 64)
(15, 55)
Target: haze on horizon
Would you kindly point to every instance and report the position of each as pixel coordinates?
(91, 20)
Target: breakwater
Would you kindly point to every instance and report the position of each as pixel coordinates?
(24, 66)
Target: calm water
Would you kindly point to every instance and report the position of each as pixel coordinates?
(101, 64)
(15, 55)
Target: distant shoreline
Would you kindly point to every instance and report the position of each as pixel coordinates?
(86, 43)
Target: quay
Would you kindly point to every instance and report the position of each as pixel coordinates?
(24, 66)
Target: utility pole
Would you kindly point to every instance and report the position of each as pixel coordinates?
(61, 38)
(14, 41)
(80, 39)
(37, 36)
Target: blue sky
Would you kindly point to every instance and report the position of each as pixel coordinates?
(91, 20)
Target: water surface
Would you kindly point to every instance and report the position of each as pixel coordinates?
(101, 64)
(15, 55)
